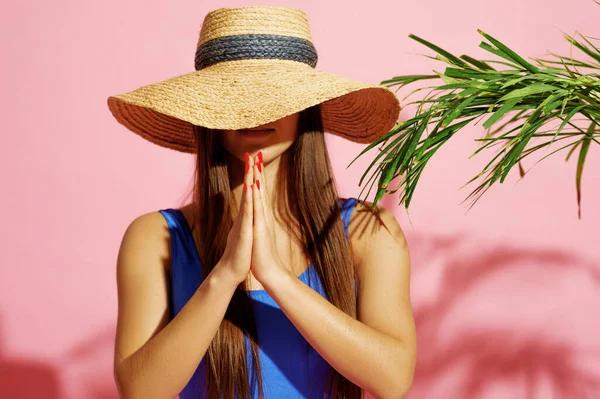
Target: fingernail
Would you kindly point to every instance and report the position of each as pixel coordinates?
(257, 184)
(247, 167)
(245, 187)
(260, 158)
(259, 167)
(247, 157)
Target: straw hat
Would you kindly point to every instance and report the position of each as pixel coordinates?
(254, 65)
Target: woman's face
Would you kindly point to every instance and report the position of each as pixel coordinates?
(272, 138)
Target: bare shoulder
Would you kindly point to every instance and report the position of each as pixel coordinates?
(148, 223)
(374, 228)
(147, 233)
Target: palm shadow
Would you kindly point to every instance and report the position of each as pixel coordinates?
(481, 355)
(88, 366)
(22, 377)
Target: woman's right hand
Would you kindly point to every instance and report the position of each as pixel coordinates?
(238, 252)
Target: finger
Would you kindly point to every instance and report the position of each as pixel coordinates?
(249, 171)
(262, 212)
(257, 205)
(264, 183)
(247, 180)
(258, 174)
(246, 208)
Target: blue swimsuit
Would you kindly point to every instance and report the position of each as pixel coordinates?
(291, 368)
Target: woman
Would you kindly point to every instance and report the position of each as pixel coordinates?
(267, 284)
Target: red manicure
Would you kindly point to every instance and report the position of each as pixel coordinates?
(259, 167)
(245, 187)
(257, 184)
(247, 167)
(260, 158)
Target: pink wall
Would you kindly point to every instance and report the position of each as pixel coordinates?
(506, 296)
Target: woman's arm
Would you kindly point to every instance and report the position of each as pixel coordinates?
(155, 358)
(376, 352)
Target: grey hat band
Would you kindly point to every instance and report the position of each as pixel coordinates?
(239, 47)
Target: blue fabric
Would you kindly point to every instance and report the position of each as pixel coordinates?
(291, 367)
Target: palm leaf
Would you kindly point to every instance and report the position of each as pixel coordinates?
(517, 102)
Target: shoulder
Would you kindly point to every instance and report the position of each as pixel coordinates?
(151, 225)
(374, 230)
(368, 222)
(146, 237)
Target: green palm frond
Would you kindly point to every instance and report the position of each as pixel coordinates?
(518, 102)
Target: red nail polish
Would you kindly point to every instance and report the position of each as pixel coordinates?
(259, 167)
(258, 184)
(245, 187)
(247, 157)
(247, 167)
(260, 158)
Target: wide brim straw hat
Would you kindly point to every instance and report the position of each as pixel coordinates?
(254, 65)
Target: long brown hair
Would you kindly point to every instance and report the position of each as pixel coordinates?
(306, 177)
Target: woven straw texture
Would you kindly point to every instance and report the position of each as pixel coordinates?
(244, 85)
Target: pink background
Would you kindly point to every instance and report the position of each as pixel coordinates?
(506, 295)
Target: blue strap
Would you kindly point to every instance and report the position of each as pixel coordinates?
(347, 208)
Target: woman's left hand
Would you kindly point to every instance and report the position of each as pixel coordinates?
(265, 262)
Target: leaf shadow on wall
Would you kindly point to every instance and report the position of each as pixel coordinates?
(27, 377)
(85, 371)
(484, 353)
(88, 366)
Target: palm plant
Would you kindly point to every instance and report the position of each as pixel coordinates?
(556, 99)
